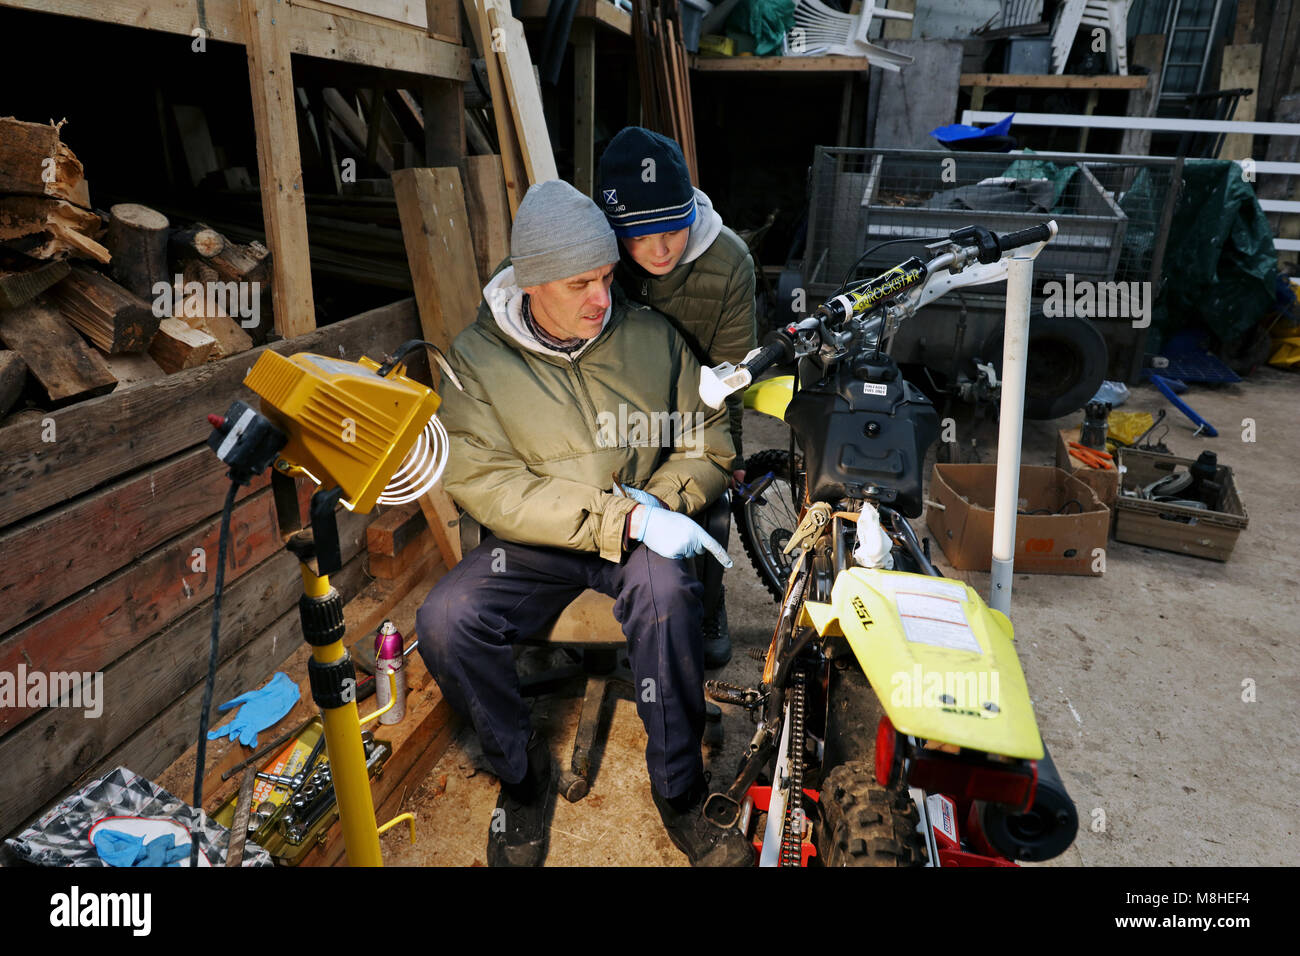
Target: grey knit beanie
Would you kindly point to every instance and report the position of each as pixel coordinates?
(558, 232)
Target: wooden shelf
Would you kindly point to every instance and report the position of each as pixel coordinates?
(780, 64)
(1037, 81)
(315, 29)
(597, 11)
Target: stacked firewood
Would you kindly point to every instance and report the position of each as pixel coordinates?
(93, 301)
(663, 75)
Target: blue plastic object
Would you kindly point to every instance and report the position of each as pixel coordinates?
(258, 709)
(1167, 388)
(117, 848)
(955, 132)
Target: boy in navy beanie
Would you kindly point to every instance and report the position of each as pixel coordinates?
(679, 259)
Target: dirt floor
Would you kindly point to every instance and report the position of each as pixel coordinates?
(1142, 682)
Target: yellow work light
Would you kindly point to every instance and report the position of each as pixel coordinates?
(366, 434)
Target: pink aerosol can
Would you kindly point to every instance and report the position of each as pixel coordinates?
(389, 658)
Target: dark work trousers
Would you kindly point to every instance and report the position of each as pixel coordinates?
(501, 593)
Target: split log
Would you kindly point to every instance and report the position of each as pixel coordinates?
(133, 369)
(65, 366)
(251, 262)
(177, 346)
(114, 319)
(45, 228)
(201, 309)
(196, 242)
(137, 238)
(22, 283)
(34, 163)
(13, 374)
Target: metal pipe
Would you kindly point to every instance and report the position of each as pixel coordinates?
(1015, 355)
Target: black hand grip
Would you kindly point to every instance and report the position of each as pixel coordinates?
(1024, 237)
(774, 351)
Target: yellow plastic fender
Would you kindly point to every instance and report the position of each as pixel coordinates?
(771, 395)
(941, 661)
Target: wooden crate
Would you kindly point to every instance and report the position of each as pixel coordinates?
(1171, 527)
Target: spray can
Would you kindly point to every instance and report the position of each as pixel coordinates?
(388, 657)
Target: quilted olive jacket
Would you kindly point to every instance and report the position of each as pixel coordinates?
(709, 297)
(536, 437)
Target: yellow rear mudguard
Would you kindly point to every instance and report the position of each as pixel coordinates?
(941, 661)
(771, 395)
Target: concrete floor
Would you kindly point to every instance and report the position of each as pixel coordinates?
(1137, 680)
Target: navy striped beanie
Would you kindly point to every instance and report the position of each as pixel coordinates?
(643, 184)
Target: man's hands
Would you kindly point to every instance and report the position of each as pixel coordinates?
(671, 534)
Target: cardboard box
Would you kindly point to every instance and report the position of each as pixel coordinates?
(1103, 481)
(959, 511)
(1170, 527)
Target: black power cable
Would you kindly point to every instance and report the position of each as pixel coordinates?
(921, 240)
(213, 653)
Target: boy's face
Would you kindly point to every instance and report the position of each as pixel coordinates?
(574, 307)
(659, 252)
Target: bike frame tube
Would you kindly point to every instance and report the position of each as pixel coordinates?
(1015, 356)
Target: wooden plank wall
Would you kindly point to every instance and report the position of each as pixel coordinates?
(102, 506)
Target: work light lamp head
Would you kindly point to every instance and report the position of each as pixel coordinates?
(374, 436)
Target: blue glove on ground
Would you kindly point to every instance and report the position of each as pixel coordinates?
(260, 709)
(673, 535)
(117, 848)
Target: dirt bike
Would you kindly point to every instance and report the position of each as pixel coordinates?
(869, 634)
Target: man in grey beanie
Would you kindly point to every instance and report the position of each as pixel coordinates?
(556, 357)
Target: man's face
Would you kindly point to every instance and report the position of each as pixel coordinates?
(573, 307)
(659, 252)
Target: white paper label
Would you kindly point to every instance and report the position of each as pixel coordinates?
(936, 620)
(940, 811)
(875, 388)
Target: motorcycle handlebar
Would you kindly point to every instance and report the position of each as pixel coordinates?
(779, 347)
(1025, 237)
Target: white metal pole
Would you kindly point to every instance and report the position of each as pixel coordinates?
(1015, 355)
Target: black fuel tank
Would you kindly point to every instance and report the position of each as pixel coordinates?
(863, 425)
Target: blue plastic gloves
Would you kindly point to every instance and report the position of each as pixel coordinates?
(258, 709)
(122, 849)
(672, 534)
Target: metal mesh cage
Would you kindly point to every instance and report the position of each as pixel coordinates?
(1109, 211)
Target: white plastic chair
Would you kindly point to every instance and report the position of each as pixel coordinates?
(1109, 14)
(820, 30)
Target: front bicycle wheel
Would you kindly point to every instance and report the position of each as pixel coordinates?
(766, 523)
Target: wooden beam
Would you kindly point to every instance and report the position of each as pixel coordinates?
(489, 213)
(594, 11)
(1240, 69)
(284, 206)
(126, 519)
(525, 98)
(442, 19)
(780, 64)
(1035, 81)
(512, 160)
(584, 107)
(330, 33)
(439, 250)
(36, 473)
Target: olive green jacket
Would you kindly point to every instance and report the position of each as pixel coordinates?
(709, 297)
(535, 438)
